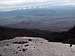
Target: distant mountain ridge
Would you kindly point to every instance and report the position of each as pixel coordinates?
(55, 11)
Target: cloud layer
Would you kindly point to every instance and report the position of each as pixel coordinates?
(6, 5)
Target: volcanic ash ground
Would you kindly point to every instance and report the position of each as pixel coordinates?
(28, 46)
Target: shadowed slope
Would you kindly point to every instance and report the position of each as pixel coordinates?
(65, 37)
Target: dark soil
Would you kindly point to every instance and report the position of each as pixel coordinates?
(64, 37)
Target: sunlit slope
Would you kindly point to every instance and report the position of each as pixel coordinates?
(29, 46)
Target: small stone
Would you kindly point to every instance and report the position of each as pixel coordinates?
(30, 39)
(19, 50)
(26, 45)
(24, 50)
(7, 44)
(0, 55)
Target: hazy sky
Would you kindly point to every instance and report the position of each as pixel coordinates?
(23, 4)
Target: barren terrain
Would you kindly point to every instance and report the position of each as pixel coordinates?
(29, 46)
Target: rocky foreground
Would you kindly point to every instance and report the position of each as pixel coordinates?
(28, 46)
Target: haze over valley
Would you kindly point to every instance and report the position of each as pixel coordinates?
(59, 18)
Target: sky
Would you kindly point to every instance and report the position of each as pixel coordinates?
(8, 5)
